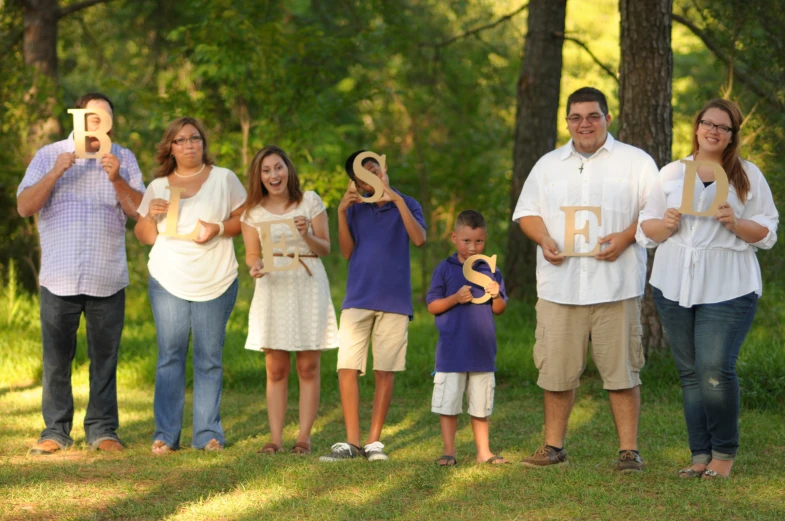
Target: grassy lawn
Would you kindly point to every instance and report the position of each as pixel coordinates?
(240, 484)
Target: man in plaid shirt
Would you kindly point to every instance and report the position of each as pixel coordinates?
(82, 206)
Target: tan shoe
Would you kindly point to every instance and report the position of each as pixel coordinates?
(110, 446)
(44, 448)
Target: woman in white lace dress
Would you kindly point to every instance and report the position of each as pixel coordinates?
(291, 310)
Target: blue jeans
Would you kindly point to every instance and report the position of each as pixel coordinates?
(104, 317)
(175, 319)
(705, 340)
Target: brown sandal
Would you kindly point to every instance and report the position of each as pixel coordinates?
(270, 448)
(301, 449)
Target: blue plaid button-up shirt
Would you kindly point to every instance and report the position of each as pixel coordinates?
(82, 225)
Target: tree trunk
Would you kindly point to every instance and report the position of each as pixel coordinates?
(40, 36)
(40, 52)
(645, 111)
(535, 127)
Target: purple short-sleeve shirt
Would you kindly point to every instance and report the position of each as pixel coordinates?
(379, 271)
(467, 332)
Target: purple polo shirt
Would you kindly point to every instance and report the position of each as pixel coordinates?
(379, 271)
(467, 332)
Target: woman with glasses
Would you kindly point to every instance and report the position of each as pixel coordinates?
(706, 279)
(193, 279)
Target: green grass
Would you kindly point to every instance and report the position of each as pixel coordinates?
(239, 484)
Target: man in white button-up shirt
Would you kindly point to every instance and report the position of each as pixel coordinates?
(590, 272)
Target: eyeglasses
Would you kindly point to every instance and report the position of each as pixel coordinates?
(194, 140)
(708, 125)
(575, 119)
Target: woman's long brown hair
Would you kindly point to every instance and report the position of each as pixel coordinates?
(164, 157)
(731, 162)
(256, 189)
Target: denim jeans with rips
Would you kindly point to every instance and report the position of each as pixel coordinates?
(705, 340)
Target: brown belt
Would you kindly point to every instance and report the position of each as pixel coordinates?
(301, 255)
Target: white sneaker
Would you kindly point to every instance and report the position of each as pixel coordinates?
(373, 452)
(340, 452)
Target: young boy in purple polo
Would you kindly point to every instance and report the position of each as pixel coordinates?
(374, 237)
(466, 352)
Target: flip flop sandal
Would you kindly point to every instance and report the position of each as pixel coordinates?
(713, 474)
(160, 448)
(270, 448)
(301, 449)
(493, 460)
(449, 461)
(689, 473)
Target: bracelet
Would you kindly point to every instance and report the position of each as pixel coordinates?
(220, 229)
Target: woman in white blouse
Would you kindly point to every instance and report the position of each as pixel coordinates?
(706, 279)
(193, 279)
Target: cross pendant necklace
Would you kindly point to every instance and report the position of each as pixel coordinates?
(581, 168)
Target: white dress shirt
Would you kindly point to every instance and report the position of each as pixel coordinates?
(617, 178)
(703, 262)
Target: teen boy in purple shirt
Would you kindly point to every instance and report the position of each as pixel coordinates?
(466, 352)
(374, 237)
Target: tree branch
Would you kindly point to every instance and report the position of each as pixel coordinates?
(481, 28)
(723, 57)
(596, 60)
(65, 11)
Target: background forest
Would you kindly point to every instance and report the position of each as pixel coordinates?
(462, 96)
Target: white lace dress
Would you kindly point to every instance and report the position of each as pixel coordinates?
(292, 310)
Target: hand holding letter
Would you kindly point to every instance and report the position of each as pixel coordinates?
(493, 289)
(63, 162)
(464, 295)
(158, 207)
(672, 219)
(351, 197)
(726, 216)
(207, 231)
(111, 165)
(551, 252)
(617, 243)
(256, 271)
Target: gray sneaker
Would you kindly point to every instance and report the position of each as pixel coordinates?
(545, 457)
(373, 452)
(629, 461)
(341, 451)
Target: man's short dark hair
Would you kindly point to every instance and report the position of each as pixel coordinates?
(349, 166)
(471, 218)
(588, 94)
(82, 101)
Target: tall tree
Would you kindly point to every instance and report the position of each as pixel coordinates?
(645, 111)
(40, 53)
(535, 122)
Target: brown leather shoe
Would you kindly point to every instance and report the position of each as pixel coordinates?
(44, 448)
(545, 456)
(110, 446)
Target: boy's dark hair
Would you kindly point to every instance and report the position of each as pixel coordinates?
(589, 94)
(82, 101)
(471, 218)
(349, 166)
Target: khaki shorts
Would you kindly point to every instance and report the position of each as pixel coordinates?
(389, 333)
(448, 389)
(562, 340)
